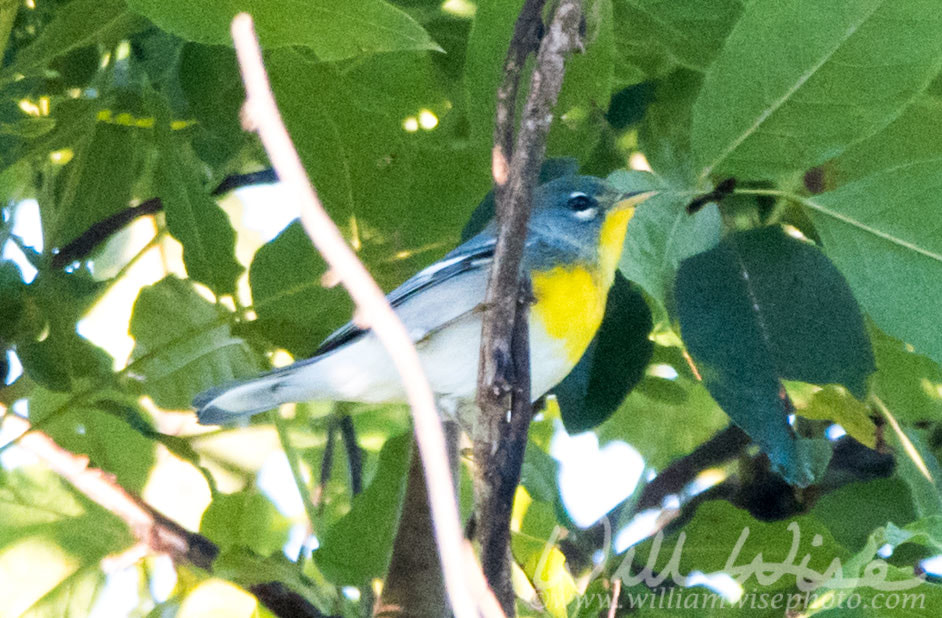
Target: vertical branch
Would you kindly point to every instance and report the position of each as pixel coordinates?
(261, 114)
(498, 444)
(525, 40)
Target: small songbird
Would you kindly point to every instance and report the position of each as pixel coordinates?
(574, 241)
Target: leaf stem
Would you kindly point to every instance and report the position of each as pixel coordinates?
(294, 463)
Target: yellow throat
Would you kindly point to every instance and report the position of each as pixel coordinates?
(570, 300)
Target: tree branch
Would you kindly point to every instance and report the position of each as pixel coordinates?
(498, 445)
(152, 529)
(262, 115)
(87, 241)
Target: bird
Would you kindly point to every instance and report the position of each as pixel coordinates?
(574, 241)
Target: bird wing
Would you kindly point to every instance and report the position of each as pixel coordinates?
(459, 280)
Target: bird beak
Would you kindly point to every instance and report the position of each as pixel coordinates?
(632, 199)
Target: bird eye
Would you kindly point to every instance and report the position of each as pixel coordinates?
(581, 202)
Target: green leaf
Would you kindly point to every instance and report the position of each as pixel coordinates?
(661, 235)
(881, 233)
(918, 468)
(245, 519)
(798, 81)
(689, 411)
(910, 384)
(762, 307)
(63, 355)
(91, 427)
(77, 24)
(926, 531)
(331, 28)
(294, 309)
(210, 80)
(691, 32)
(12, 298)
(42, 363)
(51, 540)
(99, 180)
(197, 352)
(246, 569)
(74, 121)
(835, 404)
(398, 198)
(664, 134)
(195, 219)
(587, 86)
(915, 136)
(851, 513)
(709, 542)
(613, 363)
(487, 47)
(358, 546)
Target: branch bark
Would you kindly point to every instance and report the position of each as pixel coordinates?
(261, 115)
(152, 529)
(499, 444)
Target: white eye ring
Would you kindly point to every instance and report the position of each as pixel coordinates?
(583, 206)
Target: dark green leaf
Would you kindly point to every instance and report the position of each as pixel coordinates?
(587, 86)
(487, 48)
(881, 231)
(99, 180)
(209, 77)
(330, 27)
(357, 547)
(798, 81)
(689, 412)
(692, 32)
(762, 307)
(664, 134)
(12, 298)
(661, 235)
(196, 221)
(612, 365)
(42, 363)
(851, 512)
(77, 24)
(182, 346)
(294, 309)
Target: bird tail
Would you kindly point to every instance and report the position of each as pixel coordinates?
(224, 404)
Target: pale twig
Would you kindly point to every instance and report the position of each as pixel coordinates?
(262, 115)
(153, 531)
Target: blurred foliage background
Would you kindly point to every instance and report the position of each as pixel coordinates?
(805, 306)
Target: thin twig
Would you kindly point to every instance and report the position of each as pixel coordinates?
(160, 534)
(262, 114)
(524, 41)
(153, 530)
(99, 232)
(498, 370)
(616, 592)
(354, 455)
